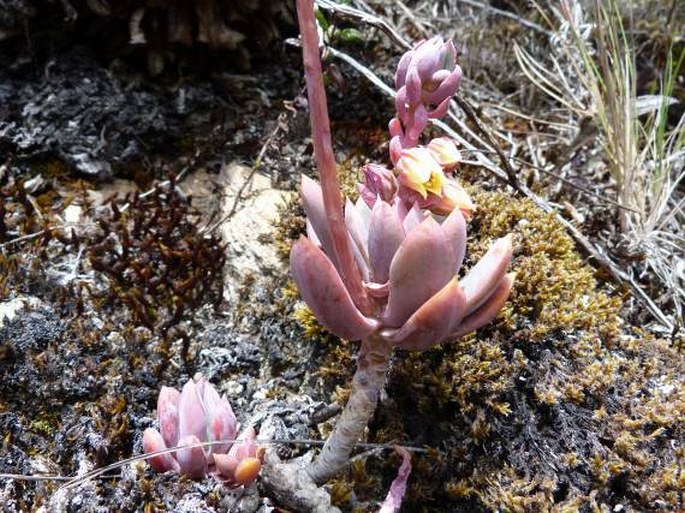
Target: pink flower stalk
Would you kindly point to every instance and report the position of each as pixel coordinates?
(409, 265)
(196, 415)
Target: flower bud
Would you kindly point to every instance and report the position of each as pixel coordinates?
(453, 196)
(380, 182)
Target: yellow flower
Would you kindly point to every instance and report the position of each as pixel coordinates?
(418, 170)
(444, 152)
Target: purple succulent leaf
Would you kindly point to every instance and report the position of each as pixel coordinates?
(365, 193)
(244, 447)
(488, 310)
(167, 415)
(191, 413)
(448, 84)
(322, 289)
(395, 127)
(438, 77)
(221, 421)
(484, 277)
(414, 218)
(402, 66)
(454, 227)
(428, 58)
(360, 260)
(401, 108)
(440, 110)
(395, 149)
(153, 442)
(393, 501)
(416, 124)
(192, 461)
(377, 290)
(226, 465)
(311, 234)
(413, 86)
(423, 264)
(385, 236)
(433, 322)
(358, 228)
(312, 199)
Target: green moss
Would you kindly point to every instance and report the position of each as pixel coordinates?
(43, 427)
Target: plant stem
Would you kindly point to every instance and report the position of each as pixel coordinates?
(325, 159)
(367, 383)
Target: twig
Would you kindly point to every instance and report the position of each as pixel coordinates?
(257, 165)
(345, 12)
(526, 23)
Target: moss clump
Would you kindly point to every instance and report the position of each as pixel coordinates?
(555, 290)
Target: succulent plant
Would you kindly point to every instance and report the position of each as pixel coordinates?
(408, 263)
(384, 269)
(195, 415)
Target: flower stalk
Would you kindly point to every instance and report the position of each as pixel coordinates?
(323, 154)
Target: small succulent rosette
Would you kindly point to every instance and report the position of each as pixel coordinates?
(195, 415)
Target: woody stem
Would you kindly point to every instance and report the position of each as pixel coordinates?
(368, 381)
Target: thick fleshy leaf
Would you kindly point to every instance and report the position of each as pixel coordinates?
(385, 236)
(485, 276)
(488, 310)
(191, 413)
(244, 446)
(226, 465)
(423, 264)
(221, 421)
(153, 442)
(448, 86)
(359, 230)
(400, 74)
(393, 501)
(433, 322)
(312, 199)
(167, 415)
(192, 461)
(322, 289)
(454, 227)
(359, 234)
(414, 218)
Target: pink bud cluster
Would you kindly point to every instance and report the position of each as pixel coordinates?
(426, 79)
(196, 415)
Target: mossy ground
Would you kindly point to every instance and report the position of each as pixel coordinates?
(556, 405)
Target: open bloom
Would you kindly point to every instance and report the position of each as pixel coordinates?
(195, 415)
(409, 264)
(418, 170)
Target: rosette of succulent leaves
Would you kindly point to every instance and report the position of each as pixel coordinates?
(203, 427)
